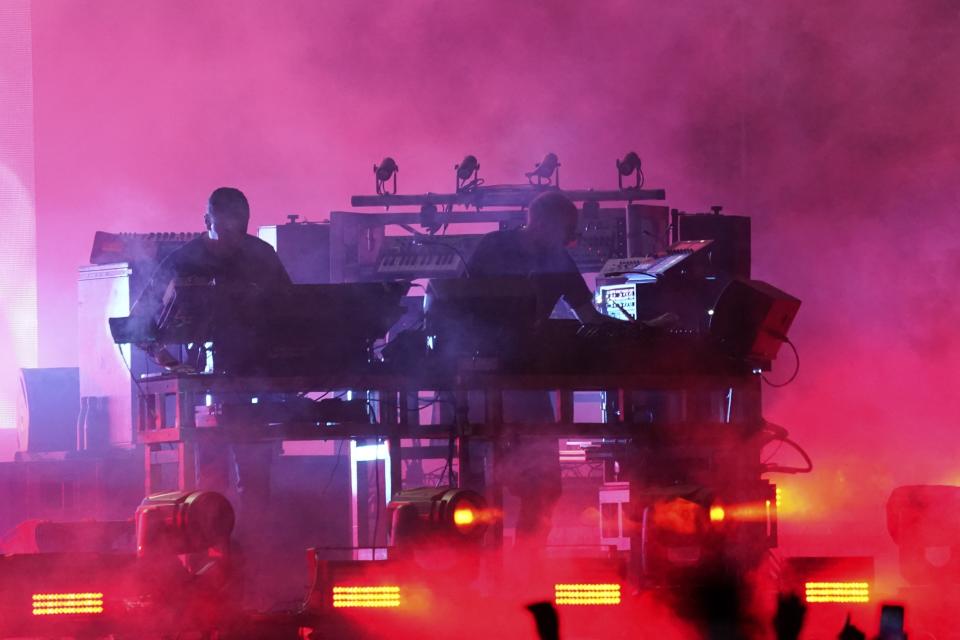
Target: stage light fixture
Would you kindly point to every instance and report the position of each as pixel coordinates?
(384, 171)
(692, 527)
(467, 174)
(428, 514)
(365, 596)
(547, 171)
(829, 580)
(464, 517)
(58, 604)
(180, 522)
(584, 594)
(630, 165)
(837, 592)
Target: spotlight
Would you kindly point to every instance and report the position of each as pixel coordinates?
(836, 592)
(365, 597)
(630, 165)
(384, 171)
(829, 580)
(467, 174)
(59, 604)
(717, 513)
(677, 534)
(544, 171)
(64, 593)
(427, 515)
(588, 593)
(180, 522)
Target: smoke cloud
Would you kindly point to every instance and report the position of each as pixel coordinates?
(835, 125)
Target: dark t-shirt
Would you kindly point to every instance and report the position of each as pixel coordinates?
(507, 253)
(254, 265)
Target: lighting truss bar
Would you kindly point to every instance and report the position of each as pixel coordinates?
(518, 197)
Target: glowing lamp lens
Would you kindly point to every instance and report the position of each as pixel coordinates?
(837, 592)
(59, 604)
(717, 514)
(586, 594)
(464, 517)
(366, 597)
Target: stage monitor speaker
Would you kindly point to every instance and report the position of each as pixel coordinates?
(47, 409)
(730, 251)
(752, 318)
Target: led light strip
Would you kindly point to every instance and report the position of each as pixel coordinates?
(586, 594)
(366, 597)
(837, 592)
(53, 604)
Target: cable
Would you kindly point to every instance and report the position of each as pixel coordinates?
(333, 471)
(470, 186)
(126, 364)
(447, 464)
(775, 451)
(796, 369)
(774, 468)
(376, 484)
(450, 445)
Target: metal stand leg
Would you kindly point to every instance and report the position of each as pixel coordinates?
(187, 466)
(494, 487)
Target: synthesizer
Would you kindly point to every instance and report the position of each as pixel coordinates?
(653, 266)
(412, 257)
(137, 247)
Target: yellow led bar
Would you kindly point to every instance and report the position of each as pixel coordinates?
(379, 597)
(837, 592)
(586, 594)
(56, 604)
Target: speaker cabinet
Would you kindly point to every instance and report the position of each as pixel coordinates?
(47, 409)
(752, 318)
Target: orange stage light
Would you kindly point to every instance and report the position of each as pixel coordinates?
(366, 597)
(717, 514)
(581, 594)
(837, 592)
(464, 516)
(53, 604)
